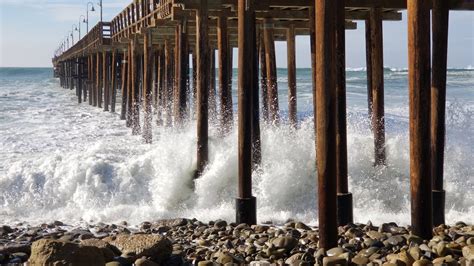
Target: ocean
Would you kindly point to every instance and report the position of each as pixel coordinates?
(60, 160)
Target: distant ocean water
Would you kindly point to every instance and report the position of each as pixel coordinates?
(64, 161)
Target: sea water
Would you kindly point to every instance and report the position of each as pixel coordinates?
(60, 160)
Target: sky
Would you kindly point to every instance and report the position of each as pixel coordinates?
(31, 30)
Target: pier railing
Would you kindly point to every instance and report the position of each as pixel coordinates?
(139, 15)
(97, 38)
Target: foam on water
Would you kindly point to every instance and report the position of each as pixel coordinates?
(64, 161)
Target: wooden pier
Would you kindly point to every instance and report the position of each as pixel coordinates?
(144, 52)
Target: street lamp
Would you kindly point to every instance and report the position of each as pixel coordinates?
(100, 4)
(87, 14)
(84, 19)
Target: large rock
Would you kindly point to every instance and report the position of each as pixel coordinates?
(286, 242)
(49, 252)
(109, 251)
(156, 247)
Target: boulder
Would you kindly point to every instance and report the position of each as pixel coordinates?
(155, 247)
(47, 252)
(107, 250)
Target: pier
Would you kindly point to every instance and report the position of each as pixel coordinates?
(144, 54)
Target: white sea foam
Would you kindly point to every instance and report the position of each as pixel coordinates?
(61, 161)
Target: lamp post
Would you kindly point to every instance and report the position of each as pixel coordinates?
(100, 4)
(84, 19)
(87, 14)
(73, 28)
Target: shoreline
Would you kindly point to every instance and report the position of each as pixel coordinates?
(191, 242)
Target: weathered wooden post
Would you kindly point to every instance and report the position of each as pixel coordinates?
(135, 110)
(419, 75)
(440, 25)
(169, 83)
(291, 54)
(85, 69)
(181, 65)
(113, 79)
(162, 87)
(344, 198)
(96, 79)
(99, 85)
(272, 84)
(90, 81)
(225, 94)
(129, 86)
(105, 80)
(378, 113)
(212, 84)
(312, 38)
(202, 86)
(326, 121)
(147, 86)
(368, 66)
(123, 112)
(194, 62)
(263, 77)
(79, 80)
(246, 211)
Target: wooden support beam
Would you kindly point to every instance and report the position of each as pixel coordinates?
(90, 73)
(79, 80)
(344, 198)
(326, 122)
(212, 84)
(202, 51)
(97, 83)
(378, 112)
(291, 54)
(105, 80)
(129, 86)
(161, 86)
(225, 93)
(194, 74)
(312, 40)
(123, 112)
(368, 60)
(113, 80)
(246, 211)
(100, 83)
(147, 88)
(168, 92)
(135, 110)
(272, 84)
(263, 77)
(419, 75)
(440, 25)
(181, 66)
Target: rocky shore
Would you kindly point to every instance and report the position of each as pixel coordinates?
(191, 242)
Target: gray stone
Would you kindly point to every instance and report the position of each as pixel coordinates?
(360, 260)
(46, 252)
(334, 261)
(145, 262)
(286, 242)
(335, 251)
(156, 247)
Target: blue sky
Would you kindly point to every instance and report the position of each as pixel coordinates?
(31, 30)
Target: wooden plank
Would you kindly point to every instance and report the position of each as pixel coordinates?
(419, 75)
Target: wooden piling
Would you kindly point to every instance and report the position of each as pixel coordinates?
(79, 80)
(272, 84)
(161, 87)
(440, 25)
(135, 111)
(419, 94)
(147, 87)
(378, 113)
(90, 80)
(344, 198)
(194, 62)
(291, 54)
(182, 64)
(113, 79)
(129, 87)
(202, 86)
(248, 73)
(98, 84)
(263, 77)
(168, 83)
(225, 94)
(123, 112)
(105, 78)
(212, 84)
(368, 66)
(326, 122)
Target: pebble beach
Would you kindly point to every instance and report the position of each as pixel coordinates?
(191, 242)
